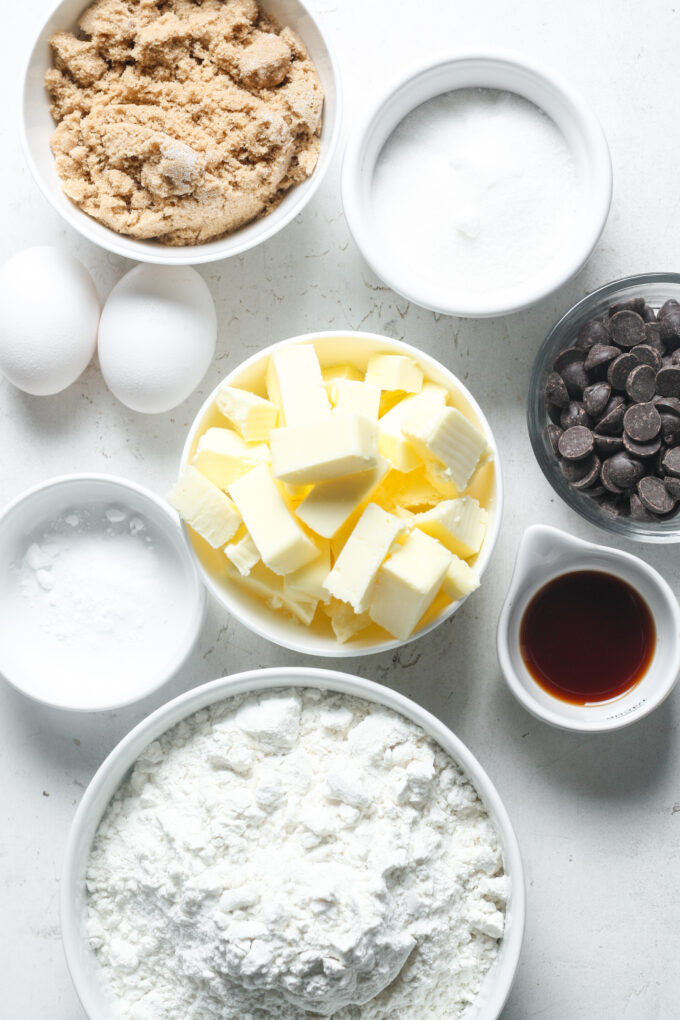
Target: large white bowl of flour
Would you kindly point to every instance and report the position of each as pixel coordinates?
(289, 843)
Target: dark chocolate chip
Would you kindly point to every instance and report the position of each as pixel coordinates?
(607, 446)
(675, 356)
(670, 462)
(669, 405)
(670, 429)
(668, 306)
(672, 486)
(619, 370)
(621, 472)
(600, 355)
(642, 422)
(610, 505)
(556, 391)
(554, 412)
(640, 384)
(569, 356)
(653, 337)
(575, 414)
(611, 422)
(575, 379)
(637, 510)
(641, 450)
(649, 315)
(595, 491)
(647, 355)
(670, 328)
(576, 443)
(553, 432)
(654, 495)
(596, 398)
(668, 382)
(591, 476)
(627, 328)
(595, 331)
(574, 470)
(636, 304)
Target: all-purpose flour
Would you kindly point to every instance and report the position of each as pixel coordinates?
(295, 854)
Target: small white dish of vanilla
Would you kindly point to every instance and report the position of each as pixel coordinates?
(478, 185)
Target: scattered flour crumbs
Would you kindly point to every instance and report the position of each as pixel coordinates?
(295, 854)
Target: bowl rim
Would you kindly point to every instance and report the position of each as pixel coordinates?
(590, 129)
(585, 508)
(348, 650)
(197, 598)
(154, 252)
(111, 772)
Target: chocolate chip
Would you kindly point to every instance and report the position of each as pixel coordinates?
(596, 398)
(670, 328)
(642, 422)
(575, 379)
(669, 405)
(670, 429)
(569, 356)
(619, 370)
(611, 422)
(576, 443)
(668, 382)
(600, 355)
(654, 495)
(595, 331)
(672, 486)
(647, 355)
(653, 337)
(591, 476)
(640, 384)
(575, 414)
(554, 412)
(675, 356)
(553, 432)
(627, 328)
(610, 505)
(636, 304)
(668, 306)
(670, 462)
(607, 446)
(621, 472)
(649, 315)
(556, 391)
(642, 450)
(637, 510)
(575, 470)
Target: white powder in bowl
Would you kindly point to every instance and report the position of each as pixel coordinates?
(475, 193)
(295, 854)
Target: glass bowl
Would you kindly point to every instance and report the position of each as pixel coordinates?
(655, 288)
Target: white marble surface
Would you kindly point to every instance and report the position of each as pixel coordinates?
(598, 817)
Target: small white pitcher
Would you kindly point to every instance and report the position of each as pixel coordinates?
(546, 553)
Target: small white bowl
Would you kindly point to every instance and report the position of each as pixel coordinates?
(545, 553)
(80, 958)
(331, 348)
(37, 126)
(493, 69)
(32, 513)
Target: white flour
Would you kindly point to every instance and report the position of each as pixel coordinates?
(291, 855)
(476, 192)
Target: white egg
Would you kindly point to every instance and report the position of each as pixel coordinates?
(157, 337)
(49, 310)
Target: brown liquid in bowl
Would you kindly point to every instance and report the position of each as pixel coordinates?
(587, 636)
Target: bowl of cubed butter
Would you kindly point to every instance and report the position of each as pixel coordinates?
(341, 493)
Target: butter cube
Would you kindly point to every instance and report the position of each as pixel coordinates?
(352, 578)
(407, 584)
(348, 396)
(342, 371)
(267, 586)
(330, 504)
(205, 508)
(441, 478)
(444, 434)
(459, 524)
(280, 541)
(253, 417)
(394, 372)
(459, 580)
(313, 453)
(392, 442)
(243, 554)
(295, 384)
(307, 582)
(345, 622)
(222, 455)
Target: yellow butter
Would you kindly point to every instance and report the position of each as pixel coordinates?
(222, 455)
(407, 584)
(445, 435)
(314, 453)
(353, 575)
(394, 372)
(205, 508)
(349, 396)
(296, 386)
(460, 580)
(307, 582)
(330, 505)
(243, 553)
(268, 586)
(392, 442)
(253, 417)
(459, 524)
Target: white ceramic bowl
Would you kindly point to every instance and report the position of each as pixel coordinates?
(80, 958)
(546, 553)
(37, 126)
(495, 69)
(32, 512)
(250, 610)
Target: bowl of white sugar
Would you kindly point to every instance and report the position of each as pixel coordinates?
(477, 184)
(290, 843)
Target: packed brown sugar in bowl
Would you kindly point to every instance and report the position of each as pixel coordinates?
(587, 636)
(181, 121)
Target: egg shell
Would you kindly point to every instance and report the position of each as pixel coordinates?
(157, 337)
(49, 310)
